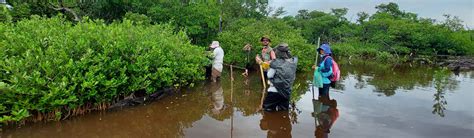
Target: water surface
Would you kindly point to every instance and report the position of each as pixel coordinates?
(373, 100)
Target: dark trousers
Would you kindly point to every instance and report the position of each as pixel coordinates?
(275, 102)
(325, 90)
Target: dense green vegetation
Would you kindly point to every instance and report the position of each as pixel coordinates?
(388, 31)
(200, 19)
(50, 65)
(95, 52)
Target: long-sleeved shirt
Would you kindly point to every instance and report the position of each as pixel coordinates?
(270, 74)
(325, 67)
(218, 59)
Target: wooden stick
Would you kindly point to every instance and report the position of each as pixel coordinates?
(231, 102)
(263, 77)
(316, 62)
(262, 99)
(317, 52)
(231, 73)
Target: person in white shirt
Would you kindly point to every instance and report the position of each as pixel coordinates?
(217, 60)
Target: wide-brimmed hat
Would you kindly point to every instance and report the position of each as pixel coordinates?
(214, 44)
(326, 48)
(265, 37)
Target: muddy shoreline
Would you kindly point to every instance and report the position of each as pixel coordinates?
(456, 63)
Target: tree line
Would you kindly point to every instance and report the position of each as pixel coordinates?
(390, 28)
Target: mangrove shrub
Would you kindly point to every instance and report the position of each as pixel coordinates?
(50, 65)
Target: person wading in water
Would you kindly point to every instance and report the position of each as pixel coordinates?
(281, 75)
(217, 60)
(266, 56)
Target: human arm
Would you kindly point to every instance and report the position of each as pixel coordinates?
(258, 59)
(272, 55)
(214, 54)
(327, 65)
(326, 69)
(271, 73)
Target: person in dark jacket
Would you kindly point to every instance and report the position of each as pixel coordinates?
(281, 75)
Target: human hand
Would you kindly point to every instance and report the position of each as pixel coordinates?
(258, 60)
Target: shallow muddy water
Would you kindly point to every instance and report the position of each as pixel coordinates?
(373, 100)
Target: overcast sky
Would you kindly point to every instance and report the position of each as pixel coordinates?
(434, 9)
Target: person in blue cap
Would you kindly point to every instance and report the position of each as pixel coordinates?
(325, 68)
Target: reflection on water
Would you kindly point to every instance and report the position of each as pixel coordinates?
(373, 100)
(387, 79)
(325, 114)
(442, 82)
(277, 124)
(217, 97)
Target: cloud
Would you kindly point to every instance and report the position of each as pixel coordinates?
(435, 9)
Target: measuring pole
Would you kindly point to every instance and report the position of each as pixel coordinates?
(231, 102)
(317, 52)
(316, 63)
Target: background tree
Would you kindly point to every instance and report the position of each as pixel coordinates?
(453, 23)
(279, 12)
(362, 17)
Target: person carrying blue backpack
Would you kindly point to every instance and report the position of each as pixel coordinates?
(325, 68)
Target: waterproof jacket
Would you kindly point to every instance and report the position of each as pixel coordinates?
(285, 74)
